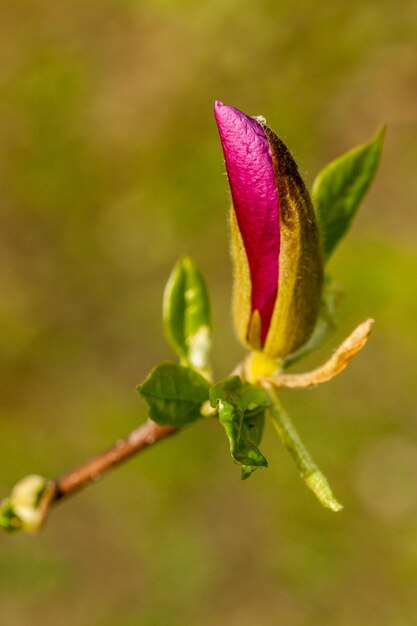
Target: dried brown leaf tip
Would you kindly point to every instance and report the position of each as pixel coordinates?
(334, 366)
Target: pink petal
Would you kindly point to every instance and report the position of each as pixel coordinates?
(255, 198)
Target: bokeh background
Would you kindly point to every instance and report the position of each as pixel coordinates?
(110, 168)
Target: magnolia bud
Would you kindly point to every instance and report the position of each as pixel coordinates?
(278, 268)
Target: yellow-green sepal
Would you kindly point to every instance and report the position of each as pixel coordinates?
(247, 325)
(326, 322)
(300, 258)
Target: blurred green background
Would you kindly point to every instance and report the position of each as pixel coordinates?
(110, 168)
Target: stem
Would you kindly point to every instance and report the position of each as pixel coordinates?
(140, 439)
(92, 470)
(308, 469)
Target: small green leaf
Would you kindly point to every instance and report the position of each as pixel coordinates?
(340, 187)
(174, 394)
(255, 424)
(186, 314)
(241, 410)
(308, 469)
(252, 431)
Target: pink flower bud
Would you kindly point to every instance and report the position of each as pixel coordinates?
(275, 242)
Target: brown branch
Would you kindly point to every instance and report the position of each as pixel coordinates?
(89, 472)
(140, 439)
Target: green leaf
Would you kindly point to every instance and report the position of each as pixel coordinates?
(186, 314)
(174, 394)
(309, 471)
(251, 433)
(241, 410)
(340, 187)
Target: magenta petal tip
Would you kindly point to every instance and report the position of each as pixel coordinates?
(255, 199)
